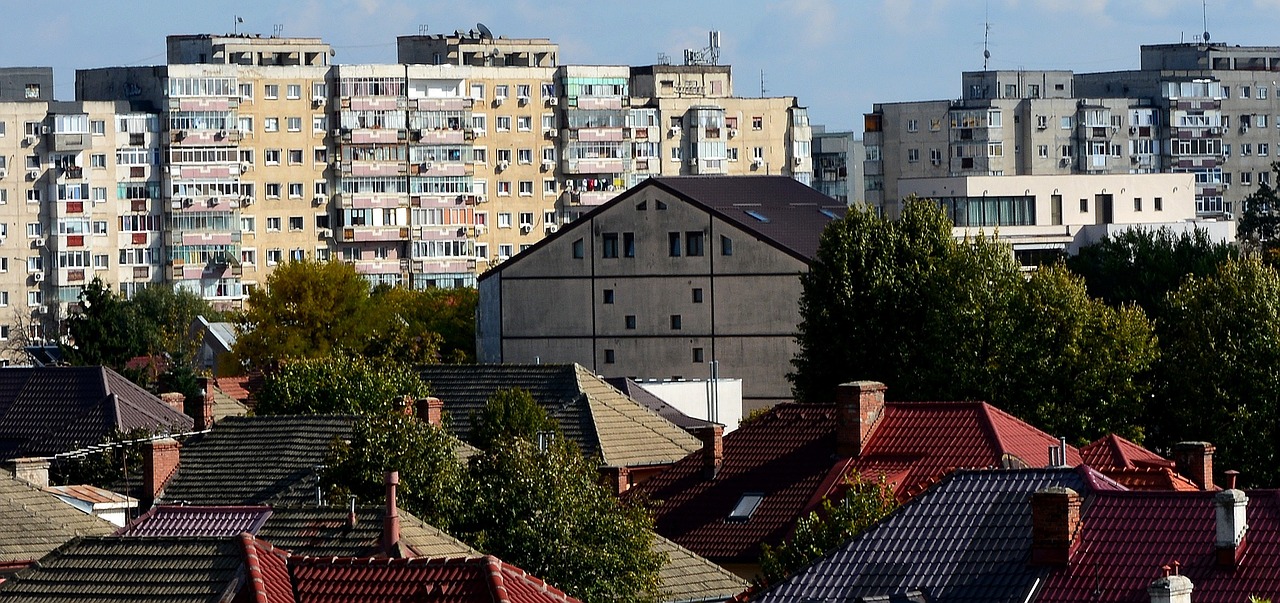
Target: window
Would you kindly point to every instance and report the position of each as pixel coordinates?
(526, 219)
(578, 251)
(273, 224)
(673, 244)
(504, 155)
(609, 245)
(294, 124)
(274, 256)
(913, 155)
(1064, 123)
(745, 507)
(609, 357)
(1158, 202)
(524, 156)
(629, 321)
(293, 91)
(319, 123)
(757, 153)
(1264, 149)
(297, 255)
(271, 156)
(1246, 178)
(548, 90)
(273, 190)
(697, 295)
(271, 124)
(477, 91)
(726, 245)
(549, 186)
(526, 188)
(271, 91)
(693, 243)
(1137, 204)
(246, 224)
(675, 322)
(100, 261)
(1262, 93)
(524, 123)
(607, 296)
(97, 127)
(32, 91)
(697, 355)
(757, 122)
(480, 155)
(504, 123)
(504, 220)
(295, 223)
(246, 91)
(677, 153)
(1084, 206)
(504, 251)
(628, 244)
(504, 188)
(501, 91)
(100, 227)
(98, 160)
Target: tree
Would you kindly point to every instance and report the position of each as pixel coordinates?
(168, 314)
(431, 475)
(107, 331)
(510, 414)
(338, 384)
(1221, 347)
(307, 309)
(865, 503)
(1143, 266)
(433, 324)
(1259, 224)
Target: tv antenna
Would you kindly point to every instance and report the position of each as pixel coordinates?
(704, 56)
(762, 89)
(422, 29)
(278, 28)
(986, 37)
(1204, 16)
(484, 31)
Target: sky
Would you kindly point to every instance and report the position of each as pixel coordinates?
(839, 57)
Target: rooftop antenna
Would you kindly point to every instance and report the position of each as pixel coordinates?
(986, 36)
(235, 28)
(278, 29)
(422, 29)
(484, 31)
(704, 56)
(762, 89)
(1204, 15)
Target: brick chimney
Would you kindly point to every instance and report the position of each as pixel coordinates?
(1195, 461)
(1229, 519)
(712, 437)
(174, 400)
(159, 464)
(1055, 522)
(859, 406)
(1171, 588)
(391, 519)
(431, 410)
(619, 478)
(34, 471)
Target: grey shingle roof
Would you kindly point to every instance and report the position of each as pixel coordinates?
(34, 522)
(688, 577)
(646, 399)
(966, 539)
(253, 460)
(590, 412)
(49, 410)
(110, 569)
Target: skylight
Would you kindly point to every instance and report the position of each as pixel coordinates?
(746, 506)
(757, 215)
(828, 213)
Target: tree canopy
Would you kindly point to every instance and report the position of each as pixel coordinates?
(510, 414)
(905, 303)
(338, 384)
(1259, 225)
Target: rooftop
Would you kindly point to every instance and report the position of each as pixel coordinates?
(36, 522)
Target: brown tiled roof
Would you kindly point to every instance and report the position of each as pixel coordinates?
(49, 410)
(688, 577)
(34, 522)
(590, 412)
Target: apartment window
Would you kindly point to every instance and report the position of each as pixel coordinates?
(1246, 178)
(913, 155)
(609, 357)
(1264, 149)
(97, 127)
(100, 261)
(246, 224)
(607, 296)
(1158, 202)
(697, 355)
(524, 123)
(294, 124)
(504, 251)
(271, 91)
(675, 322)
(1264, 178)
(693, 243)
(757, 122)
(477, 91)
(673, 244)
(757, 153)
(1064, 123)
(503, 123)
(609, 245)
(726, 245)
(480, 155)
(319, 123)
(246, 91)
(913, 125)
(628, 244)
(1084, 206)
(100, 227)
(1260, 119)
(35, 229)
(935, 156)
(244, 123)
(578, 249)
(1066, 151)
(504, 188)
(501, 91)
(35, 298)
(478, 123)
(274, 256)
(549, 186)
(629, 321)
(320, 155)
(249, 256)
(1137, 204)
(524, 156)
(1244, 92)
(97, 160)
(273, 224)
(1033, 91)
(504, 155)
(1262, 93)
(1011, 91)
(504, 220)
(677, 153)
(99, 194)
(697, 295)
(731, 153)
(273, 190)
(293, 91)
(295, 190)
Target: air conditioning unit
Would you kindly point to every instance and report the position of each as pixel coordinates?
(498, 100)
(188, 202)
(552, 101)
(1244, 129)
(504, 164)
(524, 100)
(29, 139)
(757, 161)
(546, 164)
(693, 162)
(325, 233)
(1226, 186)
(480, 199)
(246, 201)
(336, 132)
(318, 101)
(44, 129)
(481, 230)
(551, 133)
(1133, 130)
(733, 132)
(674, 130)
(1215, 131)
(1133, 159)
(4, 173)
(478, 132)
(318, 200)
(233, 204)
(38, 242)
(38, 277)
(797, 160)
(526, 228)
(212, 202)
(222, 133)
(33, 174)
(245, 166)
(552, 228)
(176, 204)
(1064, 162)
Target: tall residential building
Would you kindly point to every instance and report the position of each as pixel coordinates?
(1205, 109)
(838, 158)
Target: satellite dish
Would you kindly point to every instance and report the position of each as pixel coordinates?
(1206, 36)
(484, 31)
(986, 54)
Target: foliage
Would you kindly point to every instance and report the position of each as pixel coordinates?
(337, 384)
(167, 314)
(1259, 224)
(1221, 347)
(1143, 266)
(107, 330)
(546, 512)
(935, 318)
(509, 414)
(865, 503)
(448, 316)
(431, 476)
(307, 309)
(106, 465)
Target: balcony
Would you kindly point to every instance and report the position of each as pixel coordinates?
(361, 234)
(72, 172)
(204, 137)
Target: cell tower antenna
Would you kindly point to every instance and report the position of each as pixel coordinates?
(705, 56)
(986, 37)
(279, 29)
(762, 89)
(422, 29)
(1204, 16)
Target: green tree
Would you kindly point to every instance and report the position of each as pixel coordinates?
(1143, 266)
(306, 309)
(510, 414)
(434, 324)
(865, 503)
(1259, 224)
(1221, 347)
(168, 313)
(431, 475)
(107, 331)
(546, 512)
(338, 384)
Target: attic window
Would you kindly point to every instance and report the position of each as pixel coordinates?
(746, 506)
(641, 206)
(828, 213)
(757, 215)
(659, 205)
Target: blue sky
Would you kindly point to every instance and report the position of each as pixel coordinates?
(837, 56)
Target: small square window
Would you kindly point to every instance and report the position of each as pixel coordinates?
(697, 355)
(578, 249)
(1158, 202)
(697, 295)
(608, 296)
(630, 321)
(609, 357)
(676, 322)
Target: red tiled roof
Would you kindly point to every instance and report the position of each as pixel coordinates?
(268, 569)
(788, 455)
(1127, 537)
(239, 387)
(1151, 478)
(457, 580)
(1114, 451)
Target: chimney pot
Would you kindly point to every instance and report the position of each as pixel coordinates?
(174, 400)
(391, 519)
(1171, 588)
(859, 406)
(1195, 461)
(160, 463)
(1055, 523)
(431, 410)
(34, 471)
(1231, 474)
(712, 437)
(1231, 525)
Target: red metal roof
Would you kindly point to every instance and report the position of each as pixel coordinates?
(788, 454)
(1128, 536)
(268, 569)
(457, 580)
(1114, 451)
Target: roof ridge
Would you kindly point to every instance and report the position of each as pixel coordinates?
(988, 421)
(494, 565)
(581, 373)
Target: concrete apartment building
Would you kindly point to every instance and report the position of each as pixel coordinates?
(838, 159)
(1209, 110)
(673, 274)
